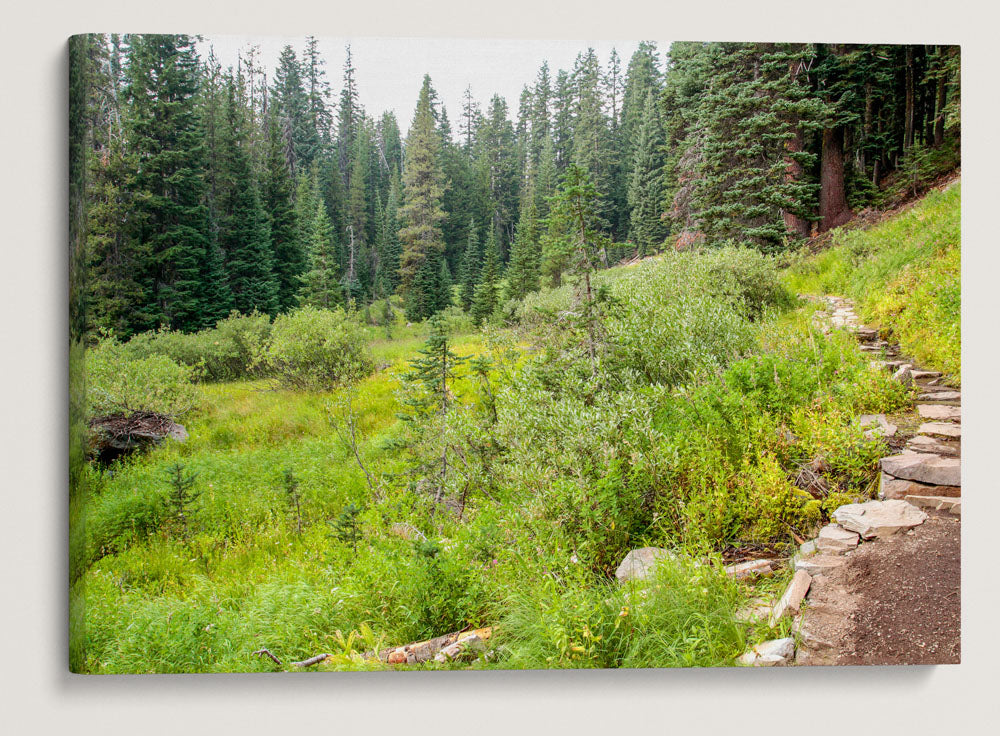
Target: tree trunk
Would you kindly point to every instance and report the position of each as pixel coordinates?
(909, 110)
(793, 169)
(833, 209)
(941, 99)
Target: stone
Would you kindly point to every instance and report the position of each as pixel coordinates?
(903, 374)
(923, 444)
(939, 411)
(751, 568)
(836, 540)
(878, 365)
(756, 610)
(807, 548)
(791, 600)
(819, 564)
(940, 396)
(770, 653)
(924, 468)
(865, 333)
(938, 503)
(917, 375)
(879, 518)
(638, 564)
(941, 429)
(463, 648)
(956, 508)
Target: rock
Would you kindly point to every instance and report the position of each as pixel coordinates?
(463, 648)
(865, 333)
(751, 568)
(903, 374)
(770, 653)
(923, 444)
(940, 396)
(756, 610)
(807, 548)
(896, 489)
(638, 564)
(941, 429)
(939, 411)
(918, 375)
(939, 503)
(879, 518)
(836, 540)
(792, 598)
(879, 423)
(878, 365)
(924, 468)
(819, 564)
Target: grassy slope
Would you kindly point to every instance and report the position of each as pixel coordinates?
(905, 275)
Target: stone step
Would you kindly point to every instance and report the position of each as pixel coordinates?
(791, 600)
(834, 539)
(924, 468)
(878, 518)
(941, 429)
(749, 569)
(895, 489)
(939, 411)
(945, 395)
(939, 503)
(917, 375)
(934, 446)
(819, 564)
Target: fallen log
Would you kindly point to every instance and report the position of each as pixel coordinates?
(448, 646)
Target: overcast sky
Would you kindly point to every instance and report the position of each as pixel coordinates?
(389, 71)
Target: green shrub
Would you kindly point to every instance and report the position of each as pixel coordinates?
(231, 350)
(118, 382)
(317, 349)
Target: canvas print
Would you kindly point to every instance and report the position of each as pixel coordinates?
(415, 354)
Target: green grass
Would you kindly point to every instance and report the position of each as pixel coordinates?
(905, 276)
(687, 449)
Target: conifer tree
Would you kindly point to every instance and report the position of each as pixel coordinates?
(292, 102)
(348, 117)
(421, 213)
(525, 257)
(645, 192)
(321, 281)
(487, 292)
(289, 250)
(168, 209)
(468, 274)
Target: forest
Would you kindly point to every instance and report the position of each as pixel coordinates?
(334, 388)
(212, 190)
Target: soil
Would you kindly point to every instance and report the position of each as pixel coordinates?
(896, 601)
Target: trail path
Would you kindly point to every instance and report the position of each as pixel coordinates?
(896, 598)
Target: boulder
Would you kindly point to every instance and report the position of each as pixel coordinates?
(638, 564)
(792, 598)
(941, 429)
(879, 518)
(924, 468)
(749, 569)
(819, 564)
(770, 653)
(836, 540)
(939, 411)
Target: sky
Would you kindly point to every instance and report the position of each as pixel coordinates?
(389, 71)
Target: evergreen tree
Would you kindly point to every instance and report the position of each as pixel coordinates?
(421, 213)
(288, 248)
(388, 247)
(562, 123)
(246, 233)
(591, 135)
(497, 168)
(317, 90)
(321, 281)
(292, 102)
(487, 292)
(541, 124)
(645, 192)
(525, 257)
(168, 208)
(348, 117)
(468, 274)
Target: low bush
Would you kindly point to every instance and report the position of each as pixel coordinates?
(317, 349)
(119, 382)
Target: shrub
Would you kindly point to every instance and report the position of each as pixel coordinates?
(231, 350)
(317, 349)
(118, 382)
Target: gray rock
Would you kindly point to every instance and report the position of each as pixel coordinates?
(751, 568)
(807, 548)
(939, 503)
(770, 653)
(941, 429)
(903, 374)
(819, 564)
(917, 375)
(924, 468)
(836, 540)
(638, 564)
(896, 489)
(923, 444)
(939, 411)
(879, 518)
(940, 396)
(791, 600)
